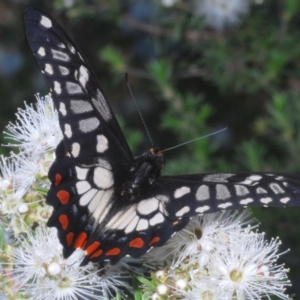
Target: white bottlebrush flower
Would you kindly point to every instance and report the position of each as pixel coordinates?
(205, 233)
(39, 271)
(218, 256)
(205, 290)
(36, 129)
(168, 3)
(246, 268)
(220, 13)
(7, 171)
(200, 236)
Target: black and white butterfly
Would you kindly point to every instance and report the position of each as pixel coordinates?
(106, 201)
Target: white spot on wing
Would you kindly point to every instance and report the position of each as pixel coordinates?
(87, 197)
(88, 125)
(122, 218)
(46, 22)
(202, 193)
(61, 45)
(63, 70)
(266, 200)
(103, 178)
(142, 225)
(102, 106)
(126, 219)
(182, 211)
(251, 180)
(241, 190)
(246, 201)
(225, 205)
(94, 203)
(217, 177)
(49, 69)
(260, 190)
(202, 209)
(255, 177)
(147, 206)
(82, 187)
(100, 214)
(75, 149)
(57, 87)
(285, 200)
(41, 51)
(80, 106)
(276, 188)
(73, 88)
(101, 205)
(83, 76)
(103, 164)
(222, 192)
(102, 143)
(59, 55)
(162, 198)
(132, 225)
(157, 219)
(181, 191)
(162, 209)
(68, 131)
(81, 173)
(71, 48)
(62, 108)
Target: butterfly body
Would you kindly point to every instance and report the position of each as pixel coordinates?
(104, 200)
(144, 170)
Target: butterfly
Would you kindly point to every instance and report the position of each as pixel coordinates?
(106, 201)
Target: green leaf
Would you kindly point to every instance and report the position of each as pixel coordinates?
(146, 282)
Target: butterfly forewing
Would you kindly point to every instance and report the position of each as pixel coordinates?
(105, 201)
(86, 119)
(208, 193)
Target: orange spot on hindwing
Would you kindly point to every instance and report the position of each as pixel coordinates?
(63, 196)
(154, 240)
(97, 253)
(64, 221)
(91, 248)
(113, 251)
(69, 238)
(80, 241)
(136, 243)
(57, 179)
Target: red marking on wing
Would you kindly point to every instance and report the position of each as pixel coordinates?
(97, 253)
(81, 239)
(154, 240)
(64, 221)
(63, 196)
(57, 179)
(91, 248)
(136, 243)
(113, 251)
(69, 238)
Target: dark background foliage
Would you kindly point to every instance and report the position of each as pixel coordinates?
(189, 80)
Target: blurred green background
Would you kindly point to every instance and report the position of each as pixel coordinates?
(190, 77)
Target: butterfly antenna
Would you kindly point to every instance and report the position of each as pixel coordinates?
(144, 123)
(197, 139)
